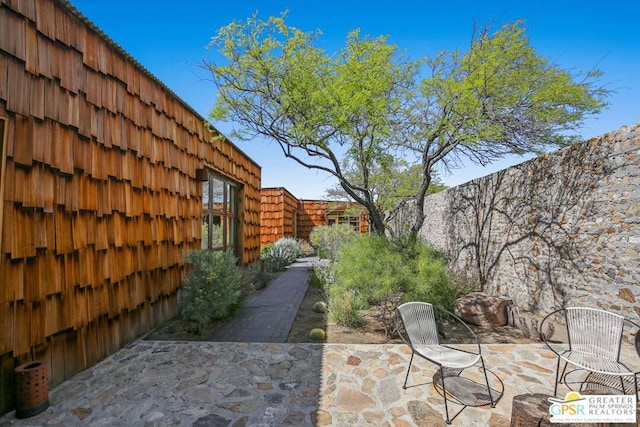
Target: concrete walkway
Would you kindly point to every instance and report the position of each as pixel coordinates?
(269, 315)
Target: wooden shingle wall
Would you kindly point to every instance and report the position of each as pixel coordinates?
(310, 214)
(283, 215)
(315, 212)
(100, 200)
(277, 214)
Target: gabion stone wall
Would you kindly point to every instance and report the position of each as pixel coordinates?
(560, 230)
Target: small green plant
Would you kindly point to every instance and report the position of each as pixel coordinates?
(315, 281)
(344, 307)
(317, 334)
(212, 288)
(265, 250)
(320, 307)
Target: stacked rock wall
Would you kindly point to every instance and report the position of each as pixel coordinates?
(559, 230)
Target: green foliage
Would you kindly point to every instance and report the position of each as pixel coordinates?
(389, 183)
(372, 271)
(344, 307)
(372, 266)
(328, 239)
(315, 279)
(281, 253)
(432, 281)
(265, 250)
(366, 112)
(317, 334)
(212, 288)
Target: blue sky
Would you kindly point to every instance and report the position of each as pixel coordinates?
(169, 38)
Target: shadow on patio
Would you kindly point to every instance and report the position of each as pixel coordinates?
(239, 384)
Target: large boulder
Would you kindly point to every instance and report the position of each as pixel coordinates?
(481, 309)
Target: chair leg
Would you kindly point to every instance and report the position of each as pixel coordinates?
(408, 370)
(486, 378)
(555, 388)
(444, 394)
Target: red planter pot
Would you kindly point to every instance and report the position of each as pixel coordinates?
(32, 388)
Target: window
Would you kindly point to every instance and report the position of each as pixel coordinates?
(344, 217)
(219, 213)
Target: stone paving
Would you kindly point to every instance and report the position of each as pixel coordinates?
(160, 383)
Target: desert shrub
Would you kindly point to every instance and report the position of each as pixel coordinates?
(288, 247)
(323, 275)
(277, 260)
(265, 250)
(382, 274)
(315, 281)
(433, 282)
(376, 270)
(328, 239)
(317, 334)
(212, 288)
(344, 307)
(281, 253)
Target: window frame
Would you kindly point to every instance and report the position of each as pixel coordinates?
(220, 207)
(337, 216)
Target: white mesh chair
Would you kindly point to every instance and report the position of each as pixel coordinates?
(593, 344)
(417, 326)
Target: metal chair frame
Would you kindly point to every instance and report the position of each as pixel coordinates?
(594, 340)
(415, 323)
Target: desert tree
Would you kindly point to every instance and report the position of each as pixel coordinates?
(366, 110)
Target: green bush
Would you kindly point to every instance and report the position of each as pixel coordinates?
(344, 307)
(433, 282)
(328, 239)
(323, 276)
(375, 270)
(315, 279)
(371, 271)
(281, 253)
(266, 250)
(212, 288)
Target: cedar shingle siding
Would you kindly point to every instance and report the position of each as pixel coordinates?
(283, 215)
(100, 200)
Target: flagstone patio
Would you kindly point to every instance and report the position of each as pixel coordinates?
(159, 383)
